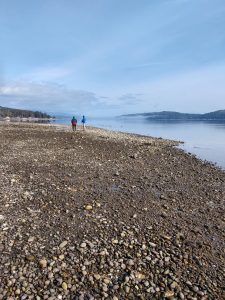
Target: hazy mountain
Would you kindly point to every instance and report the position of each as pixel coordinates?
(173, 115)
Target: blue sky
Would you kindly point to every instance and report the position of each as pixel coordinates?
(110, 57)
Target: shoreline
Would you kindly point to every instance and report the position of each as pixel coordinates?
(99, 214)
(177, 143)
(183, 145)
(24, 119)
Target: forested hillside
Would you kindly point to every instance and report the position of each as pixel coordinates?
(13, 113)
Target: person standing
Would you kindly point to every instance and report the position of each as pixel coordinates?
(83, 121)
(74, 123)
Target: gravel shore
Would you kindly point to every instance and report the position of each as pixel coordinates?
(106, 215)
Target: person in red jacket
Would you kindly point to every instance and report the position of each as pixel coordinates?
(74, 123)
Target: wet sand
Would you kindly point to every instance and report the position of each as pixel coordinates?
(105, 215)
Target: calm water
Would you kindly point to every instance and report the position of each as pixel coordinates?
(205, 139)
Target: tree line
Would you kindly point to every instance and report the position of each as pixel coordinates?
(14, 113)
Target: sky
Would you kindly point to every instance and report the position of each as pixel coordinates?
(112, 57)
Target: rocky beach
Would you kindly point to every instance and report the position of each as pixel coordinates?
(97, 214)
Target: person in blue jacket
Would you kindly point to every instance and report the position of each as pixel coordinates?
(83, 121)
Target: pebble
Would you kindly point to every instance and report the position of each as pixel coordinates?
(30, 257)
(188, 283)
(115, 241)
(43, 263)
(181, 295)
(169, 294)
(31, 239)
(104, 288)
(61, 256)
(144, 247)
(64, 286)
(17, 292)
(97, 276)
(83, 245)
(130, 262)
(106, 281)
(167, 259)
(63, 244)
(140, 276)
(173, 285)
(50, 275)
(88, 207)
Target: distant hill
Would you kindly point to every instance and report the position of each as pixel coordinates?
(173, 115)
(14, 113)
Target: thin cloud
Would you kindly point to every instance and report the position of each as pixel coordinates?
(193, 91)
(153, 63)
(46, 96)
(47, 74)
(130, 99)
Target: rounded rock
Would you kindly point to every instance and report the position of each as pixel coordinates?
(63, 244)
(43, 263)
(64, 286)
